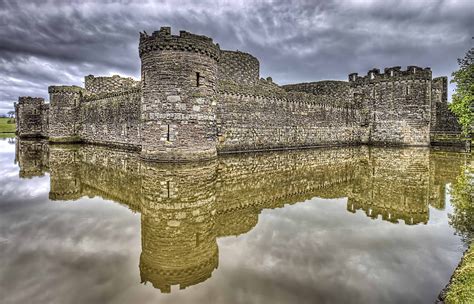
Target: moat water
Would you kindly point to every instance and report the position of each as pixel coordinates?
(86, 224)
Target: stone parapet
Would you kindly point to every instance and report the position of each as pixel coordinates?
(391, 74)
(163, 40)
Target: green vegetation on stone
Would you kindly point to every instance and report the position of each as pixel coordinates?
(461, 287)
(463, 99)
(462, 199)
(7, 125)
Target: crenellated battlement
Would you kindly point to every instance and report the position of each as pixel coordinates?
(65, 89)
(107, 84)
(163, 40)
(30, 100)
(92, 97)
(392, 74)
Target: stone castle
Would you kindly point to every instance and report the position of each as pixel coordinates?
(195, 100)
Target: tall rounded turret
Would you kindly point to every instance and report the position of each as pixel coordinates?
(179, 77)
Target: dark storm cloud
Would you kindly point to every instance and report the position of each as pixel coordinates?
(58, 42)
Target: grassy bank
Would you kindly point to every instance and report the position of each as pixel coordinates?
(7, 125)
(7, 135)
(461, 286)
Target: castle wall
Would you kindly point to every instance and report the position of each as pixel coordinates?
(397, 104)
(115, 83)
(112, 119)
(249, 122)
(195, 100)
(64, 122)
(328, 91)
(442, 119)
(239, 67)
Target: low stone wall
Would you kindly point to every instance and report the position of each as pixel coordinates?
(112, 119)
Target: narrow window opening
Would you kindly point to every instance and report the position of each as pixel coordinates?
(407, 90)
(168, 134)
(391, 73)
(197, 79)
(168, 188)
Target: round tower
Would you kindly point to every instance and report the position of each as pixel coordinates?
(64, 111)
(179, 76)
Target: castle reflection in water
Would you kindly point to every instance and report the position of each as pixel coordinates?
(185, 208)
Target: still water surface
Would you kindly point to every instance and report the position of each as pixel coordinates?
(85, 224)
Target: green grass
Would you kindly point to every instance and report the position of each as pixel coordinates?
(7, 135)
(461, 288)
(5, 126)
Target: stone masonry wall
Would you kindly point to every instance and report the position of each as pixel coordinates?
(329, 91)
(115, 83)
(179, 78)
(112, 118)
(45, 120)
(238, 67)
(442, 119)
(30, 118)
(64, 121)
(396, 104)
(195, 100)
(250, 122)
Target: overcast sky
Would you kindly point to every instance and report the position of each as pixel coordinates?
(46, 43)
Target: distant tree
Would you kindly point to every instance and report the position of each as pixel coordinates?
(11, 114)
(463, 99)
